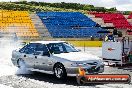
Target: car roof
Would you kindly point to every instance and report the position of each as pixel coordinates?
(47, 42)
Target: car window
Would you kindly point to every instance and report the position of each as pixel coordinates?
(57, 48)
(41, 49)
(69, 48)
(22, 50)
(28, 49)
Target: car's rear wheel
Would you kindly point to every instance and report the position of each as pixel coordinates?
(60, 71)
(21, 63)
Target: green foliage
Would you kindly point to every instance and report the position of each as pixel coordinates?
(113, 9)
(127, 12)
(42, 6)
(99, 9)
(88, 7)
(32, 8)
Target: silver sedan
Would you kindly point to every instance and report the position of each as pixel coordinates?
(56, 57)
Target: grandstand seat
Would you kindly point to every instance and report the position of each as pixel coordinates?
(118, 20)
(17, 22)
(69, 24)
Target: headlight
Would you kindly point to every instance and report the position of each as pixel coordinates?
(87, 63)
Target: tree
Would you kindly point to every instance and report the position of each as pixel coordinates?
(112, 9)
(86, 7)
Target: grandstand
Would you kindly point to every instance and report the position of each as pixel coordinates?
(117, 19)
(70, 25)
(17, 22)
(50, 25)
(61, 24)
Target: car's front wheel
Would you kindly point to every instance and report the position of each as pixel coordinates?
(59, 71)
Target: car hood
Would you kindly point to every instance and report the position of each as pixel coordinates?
(78, 56)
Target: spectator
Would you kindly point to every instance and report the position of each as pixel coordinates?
(130, 56)
(109, 37)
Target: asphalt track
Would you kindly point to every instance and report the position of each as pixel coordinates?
(12, 77)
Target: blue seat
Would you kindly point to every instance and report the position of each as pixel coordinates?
(69, 25)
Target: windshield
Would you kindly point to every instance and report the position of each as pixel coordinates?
(57, 48)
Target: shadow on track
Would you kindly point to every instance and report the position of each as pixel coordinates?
(127, 67)
(52, 79)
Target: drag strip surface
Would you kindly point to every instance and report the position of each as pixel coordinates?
(11, 77)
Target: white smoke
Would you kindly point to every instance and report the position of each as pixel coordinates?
(23, 69)
(7, 45)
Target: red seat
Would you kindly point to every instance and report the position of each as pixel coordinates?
(118, 20)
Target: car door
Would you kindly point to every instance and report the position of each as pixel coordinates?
(41, 57)
(27, 55)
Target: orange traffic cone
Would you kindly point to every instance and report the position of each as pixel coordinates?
(81, 71)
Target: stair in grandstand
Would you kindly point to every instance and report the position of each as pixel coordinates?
(130, 21)
(41, 28)
(130, 16)
(126, 16)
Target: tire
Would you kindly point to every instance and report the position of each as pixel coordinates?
(60, 71)
(21, 63)
(23, 68)
(81, 81)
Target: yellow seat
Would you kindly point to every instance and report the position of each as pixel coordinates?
(18, 22)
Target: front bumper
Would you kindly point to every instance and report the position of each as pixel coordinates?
(74, 71)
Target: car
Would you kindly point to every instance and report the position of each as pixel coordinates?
(56, 57)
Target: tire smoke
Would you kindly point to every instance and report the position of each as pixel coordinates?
(6, 48)
(23, 69)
